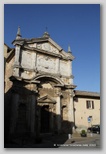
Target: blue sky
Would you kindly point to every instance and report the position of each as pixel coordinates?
(77, 25)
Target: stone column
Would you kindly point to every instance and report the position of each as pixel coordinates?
(14, 112)
(51, 117)
(71, 110)
(58, 110)
(38, 121)
(33, 105)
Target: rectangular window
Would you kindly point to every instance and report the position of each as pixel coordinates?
(90, 104)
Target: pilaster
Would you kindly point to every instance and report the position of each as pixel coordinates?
(71, 110)
(58, 109)
(33, 108)
(34, 60)
(14, 111)
(58, 66)
(51, 117)
(70, 69)
(17, 55)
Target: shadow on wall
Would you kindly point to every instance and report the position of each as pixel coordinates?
(46, 132)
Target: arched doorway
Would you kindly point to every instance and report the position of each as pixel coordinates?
(49, 104)
(46, 109)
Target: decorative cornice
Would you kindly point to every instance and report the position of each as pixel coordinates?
(45, 52)
(18, 42)
(70, 86)
(17, 78)
(33, 49)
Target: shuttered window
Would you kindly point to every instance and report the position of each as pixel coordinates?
(89, 104)
(92, 104)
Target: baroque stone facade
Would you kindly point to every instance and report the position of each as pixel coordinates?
(41, 88)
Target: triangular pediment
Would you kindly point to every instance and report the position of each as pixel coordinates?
(46, 99)
(51, 46)
(48, 46)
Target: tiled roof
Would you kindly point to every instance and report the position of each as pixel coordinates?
(86, 93)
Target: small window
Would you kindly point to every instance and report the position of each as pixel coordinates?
(90, 104)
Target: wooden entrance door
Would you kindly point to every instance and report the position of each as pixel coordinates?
(45, 123)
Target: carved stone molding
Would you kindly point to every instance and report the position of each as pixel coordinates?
(46, 99)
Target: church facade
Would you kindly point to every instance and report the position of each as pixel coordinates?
(39, 88)
(42, 86)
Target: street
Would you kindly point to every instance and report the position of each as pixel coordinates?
(61, 141)
(90, 141)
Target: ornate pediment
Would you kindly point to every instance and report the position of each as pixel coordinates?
(52, 47)
(46, 99)
(47, 47)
